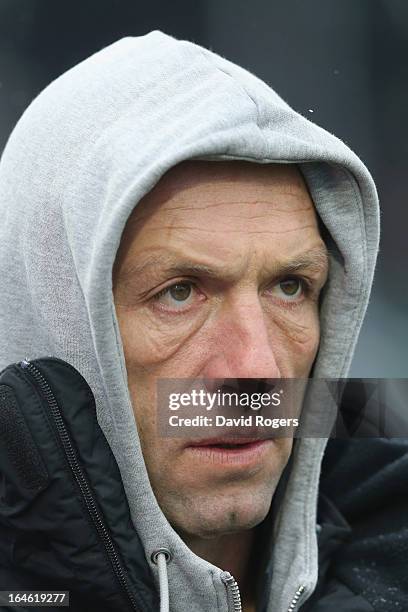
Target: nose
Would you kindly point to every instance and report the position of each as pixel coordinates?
(242, 345)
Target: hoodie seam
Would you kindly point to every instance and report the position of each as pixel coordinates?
(244, 91)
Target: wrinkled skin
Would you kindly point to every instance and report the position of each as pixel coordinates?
(244, 313)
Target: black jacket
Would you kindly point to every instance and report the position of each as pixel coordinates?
(65, 522)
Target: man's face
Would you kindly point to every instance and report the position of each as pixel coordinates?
(217, 276)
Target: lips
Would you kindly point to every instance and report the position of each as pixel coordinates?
(230, 453)
(226, 441)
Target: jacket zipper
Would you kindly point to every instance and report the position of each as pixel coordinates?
(80, 479)
(233, 594)
(295, 601)
(234, 597)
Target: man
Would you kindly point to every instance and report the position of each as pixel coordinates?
(166, 214)
(235, 298)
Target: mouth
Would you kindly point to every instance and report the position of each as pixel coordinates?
(226, 441)
(227, 450)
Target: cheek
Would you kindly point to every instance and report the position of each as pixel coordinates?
(151, 341)
(153, 351)
(297, 335)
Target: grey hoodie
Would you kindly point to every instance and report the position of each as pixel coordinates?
(78, 162)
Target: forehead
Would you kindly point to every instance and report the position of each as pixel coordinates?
(194, 183)
(223, 206)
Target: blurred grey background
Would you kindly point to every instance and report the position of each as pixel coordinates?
(341, 63)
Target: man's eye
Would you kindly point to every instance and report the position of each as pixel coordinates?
(176, 296)
(289, 289)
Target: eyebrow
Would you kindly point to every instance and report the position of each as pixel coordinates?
(315, 260)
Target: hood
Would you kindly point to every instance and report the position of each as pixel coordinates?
(81, 157)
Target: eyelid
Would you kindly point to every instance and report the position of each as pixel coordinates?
(166, 309)
(308, 291)
(165, 289)
(306, 283)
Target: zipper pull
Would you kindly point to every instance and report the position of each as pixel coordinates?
(233, 594)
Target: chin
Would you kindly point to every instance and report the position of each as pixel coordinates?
(224, 515)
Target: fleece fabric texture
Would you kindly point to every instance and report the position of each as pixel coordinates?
(80, 159)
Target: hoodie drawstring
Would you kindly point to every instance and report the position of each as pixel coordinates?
(161, 558)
